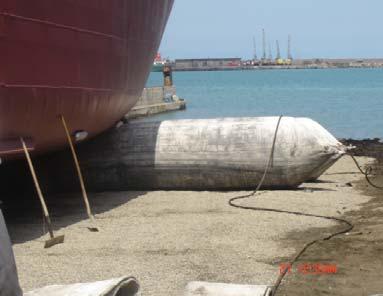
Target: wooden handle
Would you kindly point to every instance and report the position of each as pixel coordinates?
(37, 186)
(79, 173)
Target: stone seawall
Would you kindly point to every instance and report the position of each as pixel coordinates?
(155, 95)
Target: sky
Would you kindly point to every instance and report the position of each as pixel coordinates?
(319, 28)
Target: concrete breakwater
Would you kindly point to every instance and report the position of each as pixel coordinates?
(227, 64)
(156, 100)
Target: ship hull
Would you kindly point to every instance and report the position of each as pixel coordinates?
(85, 60)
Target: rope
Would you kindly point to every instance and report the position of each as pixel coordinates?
(366, 173)
(349, 225)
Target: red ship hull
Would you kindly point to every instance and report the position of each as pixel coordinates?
(86, 60)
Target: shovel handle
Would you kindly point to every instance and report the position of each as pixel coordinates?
(37, 186)
(77, 164)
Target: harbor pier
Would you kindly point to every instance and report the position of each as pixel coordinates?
(158, 99)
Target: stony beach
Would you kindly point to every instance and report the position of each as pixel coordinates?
(167, 238)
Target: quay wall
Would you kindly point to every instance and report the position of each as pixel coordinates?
(156, 100)
(239, 64)
(155, 95)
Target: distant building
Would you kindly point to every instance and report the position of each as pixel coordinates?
(208, 64)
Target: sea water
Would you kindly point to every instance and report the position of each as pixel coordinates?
(347, 102)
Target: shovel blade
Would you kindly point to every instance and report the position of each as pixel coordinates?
(93, 229)
(220, 289)
(54, 241)
(92, 225)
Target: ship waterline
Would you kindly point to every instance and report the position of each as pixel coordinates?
(87, 61)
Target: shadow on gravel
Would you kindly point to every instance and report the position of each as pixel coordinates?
(24, 218)
(312, 189)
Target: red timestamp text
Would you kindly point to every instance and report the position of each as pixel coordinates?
(309, 268)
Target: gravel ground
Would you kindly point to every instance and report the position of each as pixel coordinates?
(359, 255)
(167, 238)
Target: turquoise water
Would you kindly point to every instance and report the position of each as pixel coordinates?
(348, 102)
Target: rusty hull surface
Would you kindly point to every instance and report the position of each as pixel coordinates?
(87, 60)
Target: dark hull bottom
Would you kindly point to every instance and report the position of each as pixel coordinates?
(37, 116)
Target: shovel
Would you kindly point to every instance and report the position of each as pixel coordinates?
(54, 240)
(92, 227)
